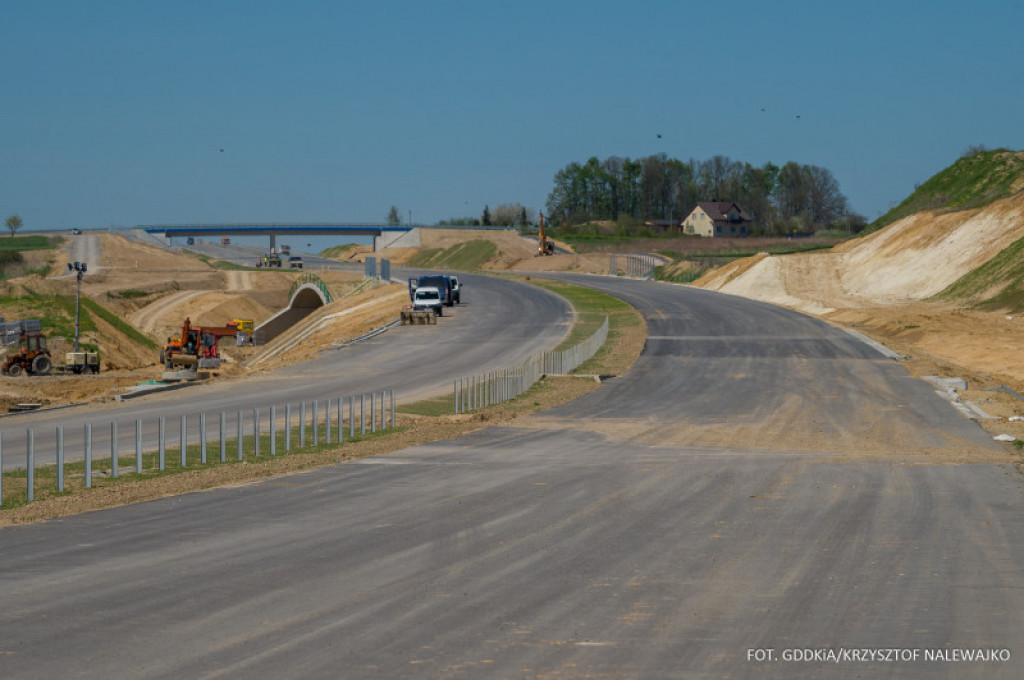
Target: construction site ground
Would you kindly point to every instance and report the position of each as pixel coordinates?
(879, 285)
(937, 338)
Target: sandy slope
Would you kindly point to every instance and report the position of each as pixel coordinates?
(881, 284)
(912, 259)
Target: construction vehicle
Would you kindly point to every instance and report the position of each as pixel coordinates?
(295, 262)
(270, 259)
(196, 347)
(81, 362)
(225, 240)
(544, 246)
(243, 330)
(241, 325)
(30, 357)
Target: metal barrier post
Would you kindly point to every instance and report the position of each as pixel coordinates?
(392, 409)
(256, 431)
(30, 464)
(287, 427)
(273, 430)
(138, 446)
(182, 437)
(351, 416)
(327, 421)
(202, 438)
(373, 415)
(362, 414)
(113, 449)
(302, 424)
(88, 455)
(316, 419)
(223, 437)
(162, 430)
(60, 458)
(241, 453)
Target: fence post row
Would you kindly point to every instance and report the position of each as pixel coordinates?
(480, 390)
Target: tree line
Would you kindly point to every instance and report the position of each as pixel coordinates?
(503, 215)
(782, 200)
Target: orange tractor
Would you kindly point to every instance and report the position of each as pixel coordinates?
(31, 357)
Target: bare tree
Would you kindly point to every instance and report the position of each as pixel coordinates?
(14, 223)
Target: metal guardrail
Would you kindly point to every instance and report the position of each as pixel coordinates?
(484, 389)
(256, 435)
(635, 266)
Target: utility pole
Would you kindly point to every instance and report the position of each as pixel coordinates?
(81, 268)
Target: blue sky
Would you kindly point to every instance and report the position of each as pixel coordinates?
(127, 113)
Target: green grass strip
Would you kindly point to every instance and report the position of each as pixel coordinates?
(29, 243)
(118, 323)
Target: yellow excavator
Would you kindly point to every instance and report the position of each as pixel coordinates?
(544, 246)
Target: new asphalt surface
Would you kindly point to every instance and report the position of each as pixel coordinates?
(759, 496)
(498, 324)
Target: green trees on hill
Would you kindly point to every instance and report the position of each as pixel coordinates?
(782, 199)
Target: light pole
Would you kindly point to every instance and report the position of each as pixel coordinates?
(81, 268)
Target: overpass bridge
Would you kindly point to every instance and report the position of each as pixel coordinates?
(384, 235)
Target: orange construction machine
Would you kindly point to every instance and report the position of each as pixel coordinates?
(196, 347)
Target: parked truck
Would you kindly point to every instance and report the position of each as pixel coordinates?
(428, 298)
(439, 281)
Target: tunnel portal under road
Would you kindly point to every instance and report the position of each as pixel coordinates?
(308, 294)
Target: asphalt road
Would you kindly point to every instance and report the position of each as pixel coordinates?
(498, 324)
(758, 481)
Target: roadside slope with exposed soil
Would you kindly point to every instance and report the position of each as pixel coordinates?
(886, 284)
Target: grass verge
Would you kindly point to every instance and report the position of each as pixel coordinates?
(224, 265)
(468, 256)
